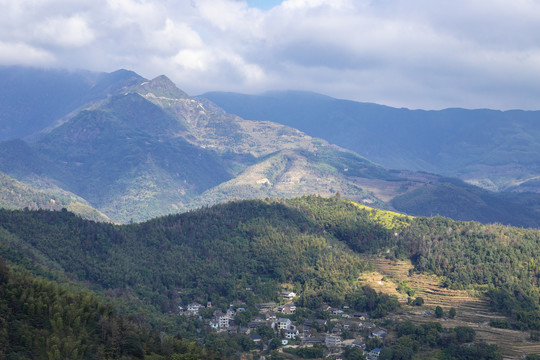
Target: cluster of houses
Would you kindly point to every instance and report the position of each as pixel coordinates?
(310, 332)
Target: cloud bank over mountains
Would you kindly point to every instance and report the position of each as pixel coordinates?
(416, 54)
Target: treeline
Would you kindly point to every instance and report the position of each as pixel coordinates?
(451, 343)
(499, 260)
(16, 195)
(40, 319)
(214, 254)
(211, 254)
(502, 261)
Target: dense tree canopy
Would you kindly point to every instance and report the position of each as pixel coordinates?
(308, 244)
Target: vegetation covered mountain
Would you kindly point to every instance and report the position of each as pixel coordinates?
(149, 149)
(41, 319)
(213, 253)
(314, 246)
(294, 241)
(460, 201)
(497, 150)
(139, 149)
(16, 195)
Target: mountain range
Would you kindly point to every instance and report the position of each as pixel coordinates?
(134, 149)
(496, 150)
(119, 148)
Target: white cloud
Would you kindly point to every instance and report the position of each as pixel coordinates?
(173, 36)
(22, 54)
(420, 53)
(126, 12)
(67, 32)
(223, 14)
(193, 60)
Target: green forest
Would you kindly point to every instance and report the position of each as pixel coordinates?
(500, 260)
(41, 319)
(112, 289)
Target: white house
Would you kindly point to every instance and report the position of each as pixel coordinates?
(284, 323)
(289, 295)
(193, 308)
(291, 334)
(332, 341)
(288, 309)
(221, 319)
(375, 353)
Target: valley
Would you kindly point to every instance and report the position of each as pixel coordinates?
(138, 222)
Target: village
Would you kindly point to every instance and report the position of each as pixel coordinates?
(339, 330)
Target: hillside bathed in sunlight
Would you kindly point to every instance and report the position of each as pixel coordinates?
(359, 180)
(172, 153)
(313, 246)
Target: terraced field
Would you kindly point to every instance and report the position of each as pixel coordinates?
(471, 307)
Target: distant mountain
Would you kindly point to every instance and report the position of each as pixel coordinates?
(148, 149)
(122, 157)
(460, 201)
(32, 99)
(143, 148)
(16, 195)
(497, 150)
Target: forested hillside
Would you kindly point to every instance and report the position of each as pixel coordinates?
(501, 260)
(40, 319)
(16, 195)
(213, 253)
(245, 252)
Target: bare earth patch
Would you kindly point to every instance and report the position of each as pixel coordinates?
(472, 308)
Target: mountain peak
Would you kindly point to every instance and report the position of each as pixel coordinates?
(123, 74)
(162, 86)
(163, 79)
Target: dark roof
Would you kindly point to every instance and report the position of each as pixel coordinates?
(255, 324)
(266, 305)
(313, 340)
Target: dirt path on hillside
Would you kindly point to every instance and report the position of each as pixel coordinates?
(472, 308)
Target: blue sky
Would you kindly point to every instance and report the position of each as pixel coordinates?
(405, 53)
(263, 4)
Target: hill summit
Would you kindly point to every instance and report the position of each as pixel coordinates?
(144, 149)
(135, 148)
